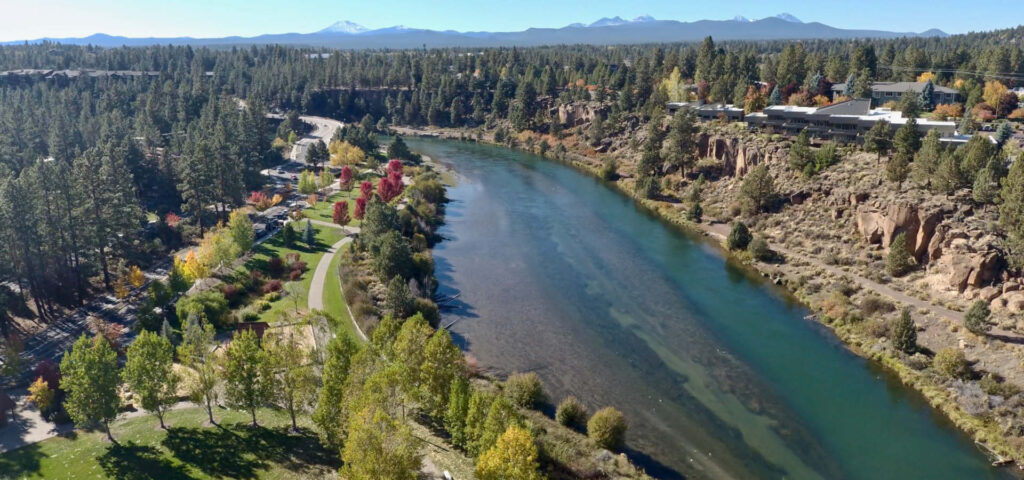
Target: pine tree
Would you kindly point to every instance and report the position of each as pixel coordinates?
(309, 235)
(926, 161)
(879, 139)
(1011, 211)
(904, 333)
(775, 98)
(976, 318)
(680, 145)
(899, 261)
(800, 154)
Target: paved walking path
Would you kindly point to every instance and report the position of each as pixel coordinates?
(315, 299)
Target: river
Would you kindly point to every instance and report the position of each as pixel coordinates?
(718, 373)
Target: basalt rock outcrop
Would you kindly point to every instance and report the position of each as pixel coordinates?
(738, 155)
(573, 114)
(959, 253)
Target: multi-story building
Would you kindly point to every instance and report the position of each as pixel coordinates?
(845, 121)
(883, 92)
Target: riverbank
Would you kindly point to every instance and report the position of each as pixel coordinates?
(796, 274)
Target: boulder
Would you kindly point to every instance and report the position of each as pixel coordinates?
(869, 225)
(1014, 302)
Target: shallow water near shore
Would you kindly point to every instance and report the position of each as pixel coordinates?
(717, 372)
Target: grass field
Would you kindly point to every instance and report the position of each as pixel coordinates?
(325, 237)
(188, 449)
(334, 301)
(324, 210)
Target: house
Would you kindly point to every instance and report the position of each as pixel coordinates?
(845, 121)
(882, 92)
(708, 111)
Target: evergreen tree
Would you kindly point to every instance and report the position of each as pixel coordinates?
(398, 301)
(739, 237)
(1011, 211)
(309, 235)
(927, 96)
(904, 333)
(680, 145)
(800, 154)
(879, 138)
(926, 161)
(758, 189)
(775, 98)
(899, 261)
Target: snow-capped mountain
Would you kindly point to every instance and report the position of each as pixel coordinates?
(344, 26)
(741, 18)
(787, 17)
(616, 21)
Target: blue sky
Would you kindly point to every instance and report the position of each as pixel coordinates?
(28, 19)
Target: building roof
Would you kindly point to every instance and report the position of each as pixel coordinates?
(899, 87)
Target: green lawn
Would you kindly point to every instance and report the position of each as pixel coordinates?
(334, 301)
(324, 210)
(325, 237)
(186, 450)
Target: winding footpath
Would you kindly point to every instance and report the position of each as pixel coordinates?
(315, 298)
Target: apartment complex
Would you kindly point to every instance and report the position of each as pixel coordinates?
(883, 92)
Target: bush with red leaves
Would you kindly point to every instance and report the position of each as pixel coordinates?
(272, 286)
(275, 266)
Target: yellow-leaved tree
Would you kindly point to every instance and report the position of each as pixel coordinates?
(924, 77)
(136, 277)
(993, 91)
(513, 457)
(344, 153)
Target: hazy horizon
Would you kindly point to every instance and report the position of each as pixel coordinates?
(194, 18)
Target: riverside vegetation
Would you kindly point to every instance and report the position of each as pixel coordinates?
(175, 148)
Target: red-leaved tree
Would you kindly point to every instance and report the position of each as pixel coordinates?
(394, 166)
(360, 208)
(390, 187)
(345, 178)
(341, 213)
(365, 189)
(172, 220)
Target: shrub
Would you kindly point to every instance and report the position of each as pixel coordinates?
(873, 304)
(524, 389)
(230, 291)
(976, 319)
(899, 262)
(251, 316)
(272, 286)
(695, 213)
(429, 310)
(759, 249)
(739, 237)
(210, 303)
(607, 428)
(609, 169)
(904, 333)
(275, 266)
(262, 305)
(994, 386)
(294, 275)
(951, 363)
(571, 412)
(272, 296)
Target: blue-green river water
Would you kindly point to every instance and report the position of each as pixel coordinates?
(717, 372)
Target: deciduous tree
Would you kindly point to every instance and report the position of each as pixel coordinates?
(513, 457)
(89, 375)
(149, 373)
(247, 373)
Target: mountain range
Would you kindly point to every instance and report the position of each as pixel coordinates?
(606, 31)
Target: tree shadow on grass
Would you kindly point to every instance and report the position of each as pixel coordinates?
(217, 452)
(21, 462)
(132, 461)
(240, 451)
